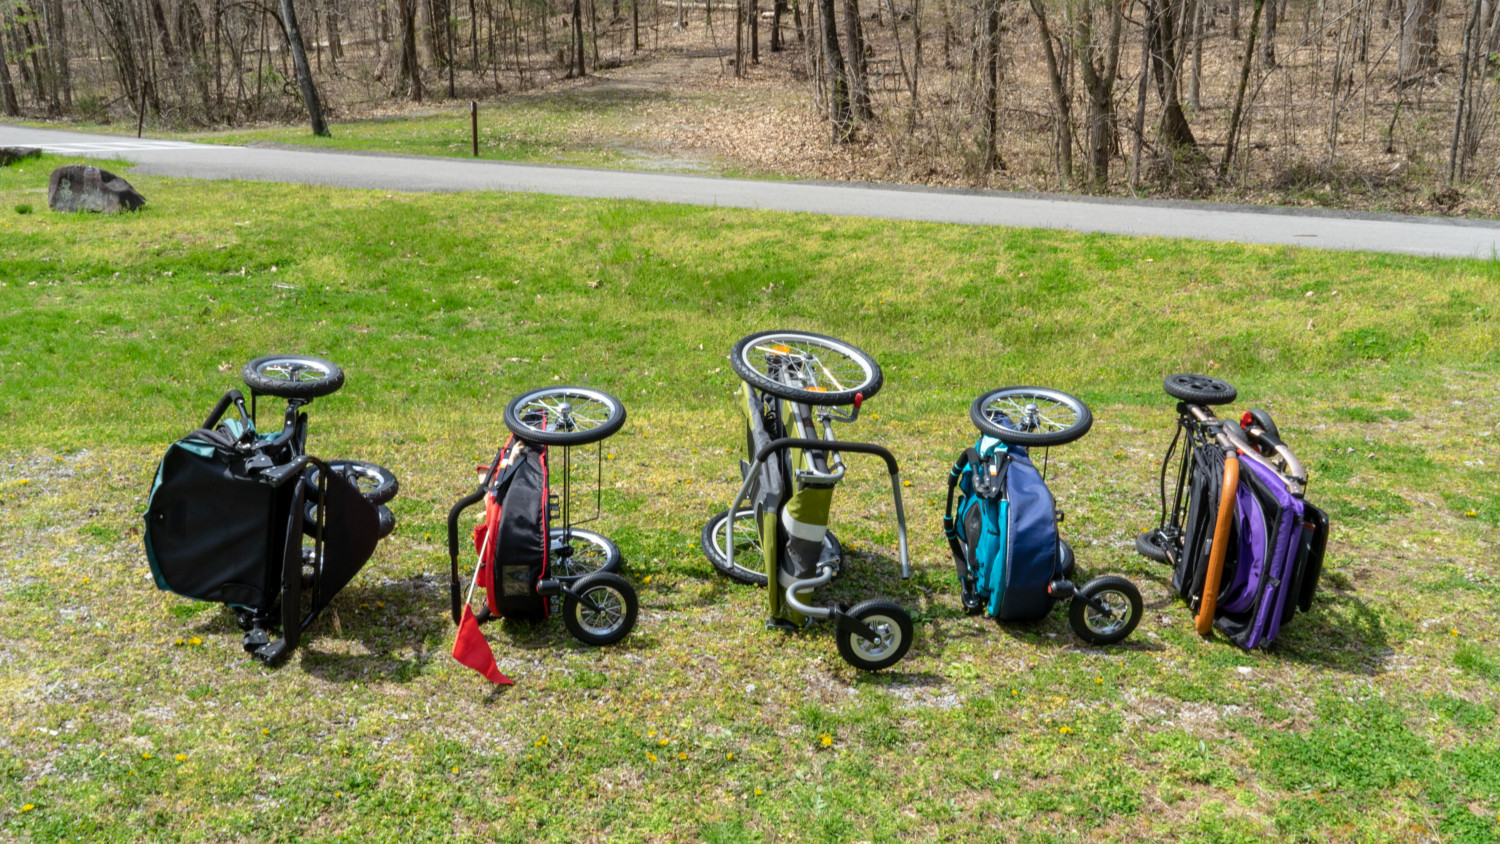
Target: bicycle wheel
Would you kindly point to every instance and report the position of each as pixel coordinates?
(805, 367)
(584, 552)
(1199, 389)
(376, 483)
(564, 415)
(292, 376)
(1031, 416)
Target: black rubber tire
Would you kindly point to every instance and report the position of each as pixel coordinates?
(1083, 417)
(329, 376)
(868, 388)
(886, 612)
(1066, 560)
(756, 576)
(519, 426)
(376, 483)
(1199, 389)
(1262, 419)
(1078, 612)
(386, 523)
(615, 589)
(750, 576)
(600, 554)
(1152, 545)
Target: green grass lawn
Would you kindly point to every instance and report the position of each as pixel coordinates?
(128, 713)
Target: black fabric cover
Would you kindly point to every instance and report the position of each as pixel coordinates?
(1207, 484)
(211, 529)
(521, 545)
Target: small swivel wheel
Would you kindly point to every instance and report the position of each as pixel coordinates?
(1199, 389)
(1153, 545)
(292, 376)
(1031, 416)
(1122, 609)
(564, 416)
(804, 367)
(613, 610)
(893, 629)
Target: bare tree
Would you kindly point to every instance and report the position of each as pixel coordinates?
(1098, 63)
(1419, 39)
(304, 74)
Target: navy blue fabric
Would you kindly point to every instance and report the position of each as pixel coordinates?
(1031, 540)
(1014, 553)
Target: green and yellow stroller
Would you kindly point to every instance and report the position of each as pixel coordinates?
(796, 385)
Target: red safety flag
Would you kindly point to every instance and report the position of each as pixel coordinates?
(471, 649)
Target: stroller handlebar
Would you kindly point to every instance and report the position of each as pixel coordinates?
(1231, 436)
(832, 445)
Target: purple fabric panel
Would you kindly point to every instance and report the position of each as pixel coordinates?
(1282, 557)
(1251, 560)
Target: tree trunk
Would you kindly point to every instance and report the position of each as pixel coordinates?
(859, 82)
(1239, 96)
(1419, 39)
(1234, 19)
(1268, 41)
(1063, 136)
(1195, 78)
(409, 72)
(989, 65)
(1143, 81)
(7, 87)
(754, 24)
(577, 38)
(1166, 60)
(304, 73)
(58, 50)
(778, 8)
(1099, 65)
(833, 67)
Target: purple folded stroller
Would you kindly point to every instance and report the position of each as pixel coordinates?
(1265, 568)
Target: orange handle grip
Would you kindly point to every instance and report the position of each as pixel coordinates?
(1204, 622)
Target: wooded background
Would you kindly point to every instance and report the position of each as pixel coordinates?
(1179, 95)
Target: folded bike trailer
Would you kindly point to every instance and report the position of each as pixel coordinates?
(529, 568)
(1246, 548)
(252, 521)
(1011, 561)
(793, 381)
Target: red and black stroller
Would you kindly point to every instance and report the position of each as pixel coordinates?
(533, 559)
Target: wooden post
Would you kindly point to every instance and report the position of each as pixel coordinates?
(474, 125)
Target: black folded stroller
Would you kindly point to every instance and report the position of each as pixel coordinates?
(253, 521)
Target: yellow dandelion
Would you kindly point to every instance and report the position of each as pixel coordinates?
(528, 757)
(455, 769)
(28, 807)
(758, 792)
(1471, 513)
(1453, 632)
(663, 742)
(85, 580)
(1098, 681)
(426, 536)
(682, 756)
(338, 794)
(1065, 730)
(179, 640)
(647, 579)
(380, 604)
(1014, 692)
(145, 756)
(826, 739)
(195, 641)
(729, 756)
(265, 731)
(609, 457)
(364, 606)
(906, 483)
(652, 733)
(651, 756)
(181, 757)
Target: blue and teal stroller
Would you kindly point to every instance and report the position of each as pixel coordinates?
(793, 383)
(1011, 562)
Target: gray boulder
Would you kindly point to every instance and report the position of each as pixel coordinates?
(10, 155)
(82, 187)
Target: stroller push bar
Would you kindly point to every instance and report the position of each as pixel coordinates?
(786, 443)
(1230, 437)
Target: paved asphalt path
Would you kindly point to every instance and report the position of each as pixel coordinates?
(1197, 220)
